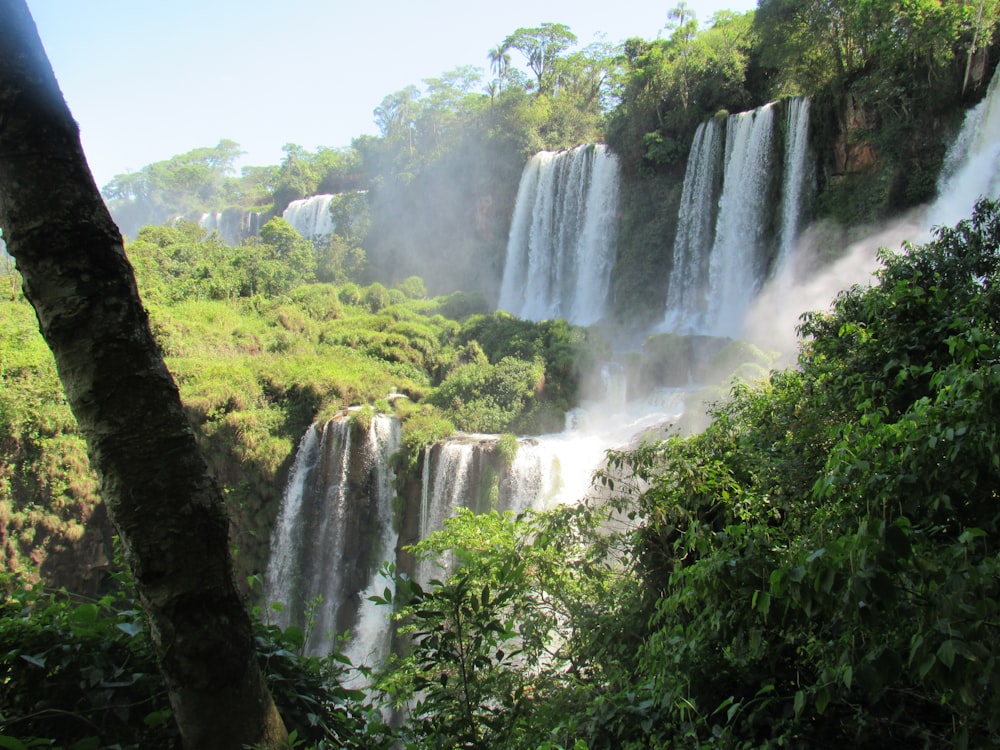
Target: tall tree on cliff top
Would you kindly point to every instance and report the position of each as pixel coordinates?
(541, 46)
(167, 509)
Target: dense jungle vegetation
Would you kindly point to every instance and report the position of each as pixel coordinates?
(814, 569)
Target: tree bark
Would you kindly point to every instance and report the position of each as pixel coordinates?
(160, 495)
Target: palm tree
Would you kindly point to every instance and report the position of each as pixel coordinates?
(499, 62)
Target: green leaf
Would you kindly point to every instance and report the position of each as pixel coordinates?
(816, 555)
(822, 700)
(926, 665)
(946, 653)
(970, 534)
(763, 602)
(800, 702)
(38, 661)
(295, 636)
(131, 629)
(83, 620)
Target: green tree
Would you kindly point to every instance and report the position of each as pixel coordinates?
(683, 27)
(396, 112)
(291, 249)
(501, 645)
(338, 262)
(297, 177)
(810, 44)
(193, 182)
(671, 85)
(351, 213)
(541, 47)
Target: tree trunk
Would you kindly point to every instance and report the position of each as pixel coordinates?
(165, 505)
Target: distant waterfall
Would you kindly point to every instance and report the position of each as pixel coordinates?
(726, 224)
(972, 165)
(311, 217)
(232, 225)
(561, 246)
(334, 531)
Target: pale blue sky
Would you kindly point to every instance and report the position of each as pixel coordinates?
(147, 80)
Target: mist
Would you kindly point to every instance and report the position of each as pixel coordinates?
(809, 283)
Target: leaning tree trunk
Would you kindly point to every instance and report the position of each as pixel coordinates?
(165, 505)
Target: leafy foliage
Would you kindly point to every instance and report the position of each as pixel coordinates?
(498, 648)
(47, 493)
(818, 554)
(82, 674)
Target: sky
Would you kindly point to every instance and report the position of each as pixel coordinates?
(149, 79)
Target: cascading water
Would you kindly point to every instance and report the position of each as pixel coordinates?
(686, 293)
(562, 238)
(450, 472)
(334, 531)
(972, 166)
(798, 182)
(552, 470)
(468, 471)
(311, 216)
(722, 247)
(232, 225)
(734, 265)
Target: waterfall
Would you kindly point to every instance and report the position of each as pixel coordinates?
(311, 217)
(232, 225)
(721, 250)
(552, 470)
(693, 241)
(334, 531)
(972, 166)
(798, 177)
(562, 238)
(468, 471)
(449, 473)
(336, 525)
(734, 271)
